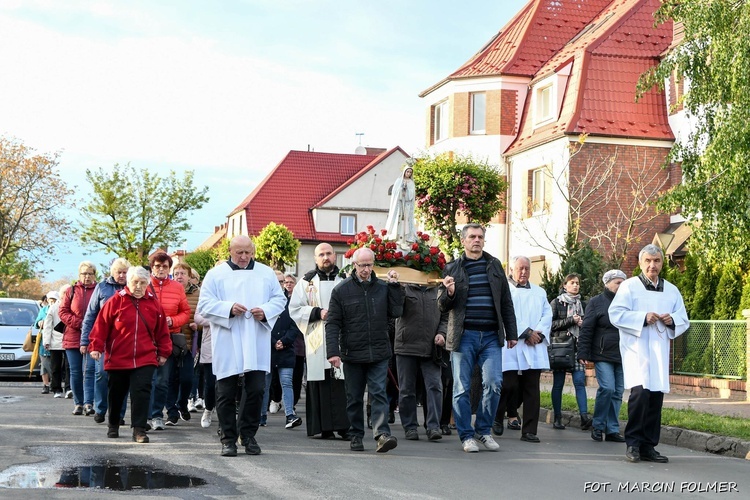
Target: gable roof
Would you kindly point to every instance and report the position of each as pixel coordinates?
(529, 40)
(607, 59)
(297, 184)
(220, 232)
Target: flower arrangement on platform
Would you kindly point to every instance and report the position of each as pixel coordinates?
(421, 256)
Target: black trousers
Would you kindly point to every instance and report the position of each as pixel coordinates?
(56, 370)
(299, 371)
(250, 405)
(446, 376)
(138, 382)
(644, 418)
(526, 387)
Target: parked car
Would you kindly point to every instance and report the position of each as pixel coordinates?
(16, 317)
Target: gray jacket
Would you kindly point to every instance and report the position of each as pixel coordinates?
(421, 322)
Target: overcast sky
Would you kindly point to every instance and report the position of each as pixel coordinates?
(225, 88)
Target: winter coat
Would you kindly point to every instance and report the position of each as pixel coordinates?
(417, 328)
(50, 336)
(171, 296)
(192, 294)
(598, 339)
(103, 291)
(456, 306)
(73, 305)
(285, 330)
(560, 319)
(357, 325)
(131, 332)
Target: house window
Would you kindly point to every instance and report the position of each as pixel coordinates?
(538, 191)
(544, 104)
(440, 121)
(478, 112)
(348, 223)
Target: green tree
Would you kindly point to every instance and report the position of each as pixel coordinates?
(221, 252)
(579, 258)
(133, 212)
(449, 185)
(745, 299)
(714, 58)
(33, 199)
(728, 301)
(705, 294)
(201, 261)
(276, 246)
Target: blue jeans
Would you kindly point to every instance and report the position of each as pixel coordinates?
(483, 349)
(159, 388)
(287, 390)
(375, 377)
(179, 385)
(83, 394)
(608, 396)
(579, 382)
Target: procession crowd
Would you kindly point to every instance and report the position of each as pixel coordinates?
(469, 351)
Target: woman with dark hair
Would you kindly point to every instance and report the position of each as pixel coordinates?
(567, 318)
(131, 330)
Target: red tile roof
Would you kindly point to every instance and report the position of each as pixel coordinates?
(298, 183)
(529, 40)
(607, 59)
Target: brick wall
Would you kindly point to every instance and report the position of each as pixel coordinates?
(509, 107)
(459, 114)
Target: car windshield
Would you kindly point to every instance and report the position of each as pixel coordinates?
(17, 314)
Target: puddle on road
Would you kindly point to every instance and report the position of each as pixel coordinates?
(111, 477)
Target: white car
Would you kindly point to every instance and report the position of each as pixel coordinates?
(16, 317)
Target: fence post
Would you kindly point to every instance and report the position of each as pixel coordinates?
(746, 314)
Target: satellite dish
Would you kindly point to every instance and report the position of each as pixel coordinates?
(360, 150)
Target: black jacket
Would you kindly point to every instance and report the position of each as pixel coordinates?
(456, 306)
(358, 313)
(421, 322)
(598, 339)
(561, 322)
(285, 330)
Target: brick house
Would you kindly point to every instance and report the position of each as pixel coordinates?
(319, 197)
(551, 99)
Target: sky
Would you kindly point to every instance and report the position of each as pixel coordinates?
(223, 88)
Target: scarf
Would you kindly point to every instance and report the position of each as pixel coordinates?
(573, 302)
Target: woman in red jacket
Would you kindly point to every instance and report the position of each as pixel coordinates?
(132, 331)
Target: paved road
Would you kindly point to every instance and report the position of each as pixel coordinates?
(39, 437)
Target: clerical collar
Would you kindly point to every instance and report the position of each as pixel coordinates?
(235, 267)
(324, 276)
(515, 284)
(658, 287)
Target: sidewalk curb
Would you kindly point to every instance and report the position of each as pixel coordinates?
(675, 436)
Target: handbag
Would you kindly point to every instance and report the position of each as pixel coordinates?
(440, 356)
(28, 342)
(562, 354)
(179, 345)
(59, 327)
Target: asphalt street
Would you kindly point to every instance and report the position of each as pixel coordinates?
(40, 439)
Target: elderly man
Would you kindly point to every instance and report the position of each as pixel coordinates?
(241, 300)
(649, 312)
(481, 319)
(357, 333)
(523, 365)
(116, 281)
(325, 394)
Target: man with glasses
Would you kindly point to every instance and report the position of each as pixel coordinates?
(357, 334)
(241, 299)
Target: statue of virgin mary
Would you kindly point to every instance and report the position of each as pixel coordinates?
(400, 225)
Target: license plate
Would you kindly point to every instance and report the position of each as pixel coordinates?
(7, 357)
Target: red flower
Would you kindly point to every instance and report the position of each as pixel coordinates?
(434, 250)
(370, 229)
(415, 247)
(378, 240)
(427, 260)
(349, 253)
(425, 237)
(383, 232)
(399, 255)
(416, 257)
(350, 242)
(374, 247)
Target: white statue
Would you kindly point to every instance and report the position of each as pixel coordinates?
(400, 224)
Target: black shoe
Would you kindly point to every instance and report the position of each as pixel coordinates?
(653, 456)
(386, 442)
(391, 417)
(251, 446)
(596, 435)
(113, 432)
(557, 423)
(529, 437)
(633, 454)
(98, 418)
(615, 437)
(586, 421)
(293, 421)
(497, 428)
(514, 425)
(185, 415)
(412, 435)
(369, 422)
(445, 430)
(172, 421)
(45, 389)
(139, 435)
(327, 435)
(356, 444)
(343, 433)
(228, 450)
(433, 435)
(122, 422)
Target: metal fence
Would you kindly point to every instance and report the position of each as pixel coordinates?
(712, 348)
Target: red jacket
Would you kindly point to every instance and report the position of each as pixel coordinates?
(172, 297)
(122, 335)
(72, 312)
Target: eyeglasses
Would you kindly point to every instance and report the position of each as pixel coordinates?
(160, 266)
(281, 281)
(86, 274)
(365, 265)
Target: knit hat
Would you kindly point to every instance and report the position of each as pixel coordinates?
(612, 274)
(54, 294)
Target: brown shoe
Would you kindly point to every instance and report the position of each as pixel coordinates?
(139, 435)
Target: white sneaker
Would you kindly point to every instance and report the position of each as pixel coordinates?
(206, 419)
(69, 395)
(199, 404)
(487, 441)
(470, 446)
(274, 407)
(58, 395)
(191, 406)
(157, 424)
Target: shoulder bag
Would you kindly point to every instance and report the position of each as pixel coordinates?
(562, 353)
